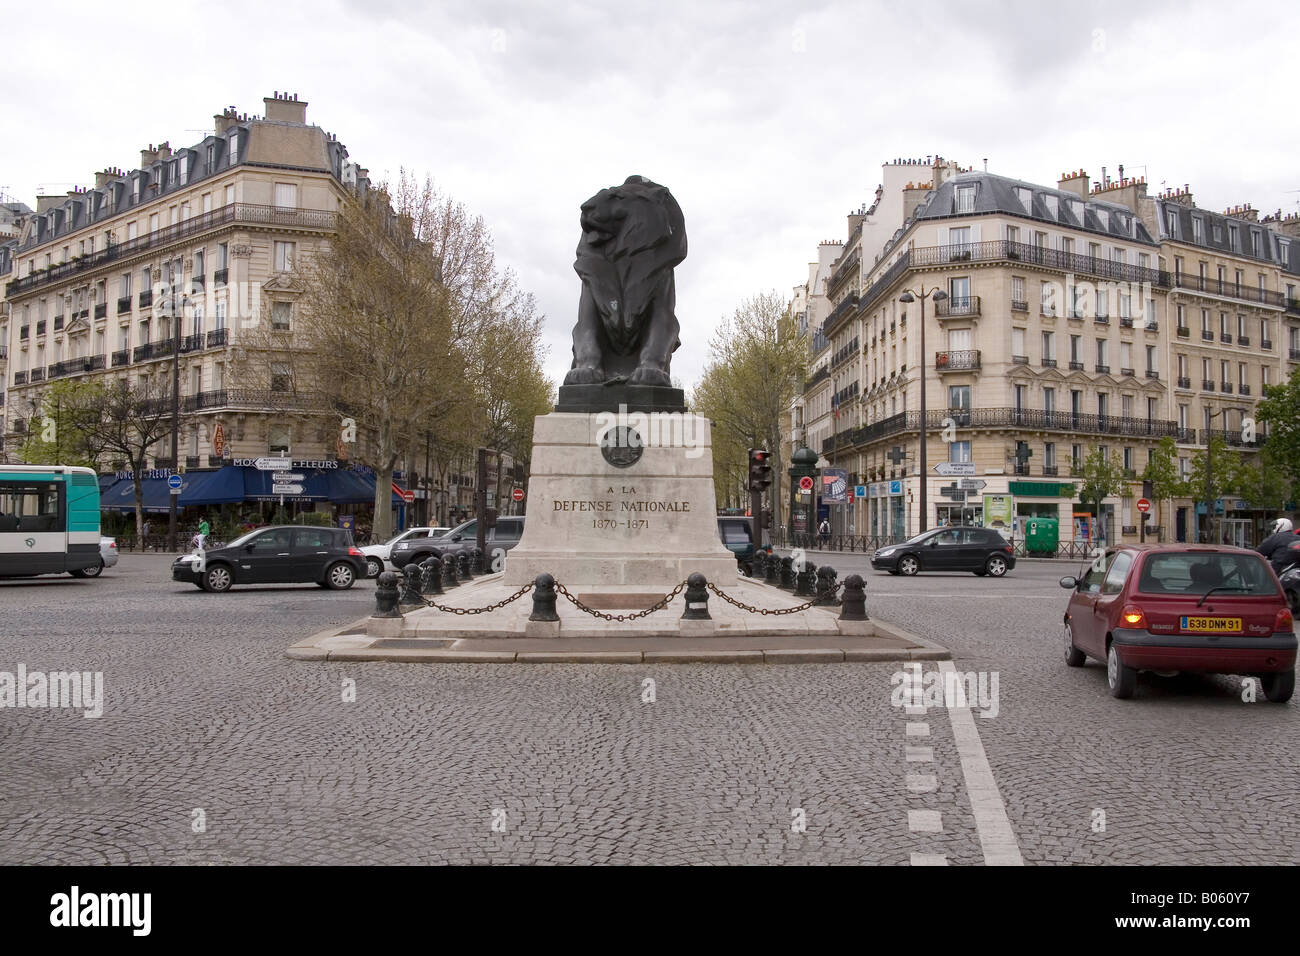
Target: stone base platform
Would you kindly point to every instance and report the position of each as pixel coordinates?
(815, 635)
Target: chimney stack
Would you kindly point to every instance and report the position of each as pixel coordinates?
(148, 156)
(285, 108)
(1075, 182)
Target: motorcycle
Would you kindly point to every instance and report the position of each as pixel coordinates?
(1290, 578)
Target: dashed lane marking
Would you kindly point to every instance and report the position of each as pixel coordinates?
(925, 821)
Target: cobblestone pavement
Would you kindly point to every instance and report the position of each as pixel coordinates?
(568, 763)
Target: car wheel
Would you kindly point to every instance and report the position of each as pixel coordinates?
(340, 576)
(1278, 687)
(218, 578)
(1073, 656)
(908, 565)
(96, 571)
(1122, 679)
(374, 567)
(996, 566)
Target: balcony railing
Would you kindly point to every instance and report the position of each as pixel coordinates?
(1225, 387)
(1103, 369)
(38, 375)
(143, 353)
(260, 398)
(1184, 382)
(192, 461)
(1227, 290)
(962, 360)
(146, 298)
(1225, 338)
(1295, 355)
(1051, 471)
(124, 304)
(220, 276)
(1243, 389)
(121, 357)
(1076, 366)
(1183, 331)
(1229, 436)
(1049, 363)
(1125, 322)
(846, 307)
(1019, 305)
(94, 363)
(20, 378)
(1153, 373)
(192, 343)
(316, 219)
(1207, 335)
(1207, 385)
(217, 338)
(58, 323)
(1243, 340)
(1020, 360)
(955, 307)
(1266, 345)
(101, 310)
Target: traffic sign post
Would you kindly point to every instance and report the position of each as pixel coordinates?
(273, 464)
(174, 484)
(1143, 505)
(517, 494)
(954, 468)
(286, 489)
(286, 476)
(805, 483)
(973, 484)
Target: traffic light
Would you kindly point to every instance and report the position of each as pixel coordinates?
(760, 469)
(767, 518)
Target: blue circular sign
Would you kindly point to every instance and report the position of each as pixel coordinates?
(173, 481)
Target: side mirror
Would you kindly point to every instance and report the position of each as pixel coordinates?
(1069, 583)
(457, 537)
(934, 542)
(248, 548)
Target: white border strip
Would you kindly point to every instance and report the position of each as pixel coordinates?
(997, 839)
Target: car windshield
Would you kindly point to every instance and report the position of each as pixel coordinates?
(243, 538)
(1197, 572)
(734, 532)
(923, 536)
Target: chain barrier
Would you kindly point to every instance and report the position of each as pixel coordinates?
(481, 610)
(657, 606)
(773, 611)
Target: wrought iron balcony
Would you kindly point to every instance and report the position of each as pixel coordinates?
(143, 353)
(217, 338)
(1227, 290)
(1243, 340)
(1019, 305)
(94, 363)
(1225, 387)
(220, 276)
(1295, 355)
(1050, 471)
(1183, 331)
(20, 378)
(1049, 363)
(38, 375)
(101, 310)
(1104, 369)
(1127, 371)
(1207, 385)
(1101, 319)
(1225, 338)
(1153, 373)
(1184, 382)
(1266, 345)
(192, 343)
(1207, 335)
(121, 357)
(124, 304)
(1125, 322)
(1229, 436)
(962, 360)
(1076, 366)
(1243, 389)
(1020, 360)
(957, 307)
(146, 298)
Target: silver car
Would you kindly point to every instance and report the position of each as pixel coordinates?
(107, 557)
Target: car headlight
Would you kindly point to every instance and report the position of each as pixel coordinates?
(884, 552)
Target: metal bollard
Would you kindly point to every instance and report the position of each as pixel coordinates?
(773, 574)
(432, 571)
(759, 564)
(826, 586)
(386, 596)
(479, 566)
(411, 585)
(544, 595)
(449, 571)
(787, 574)
(463, 562)
(806, 580)
(697, 598)
(854, 606)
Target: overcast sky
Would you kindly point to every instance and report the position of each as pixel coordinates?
(768, 121)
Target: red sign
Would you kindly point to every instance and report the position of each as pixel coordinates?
(850, 494)
(408, 496)
(218, 440)
(1144, 505)
(517, 494)
(806, 483)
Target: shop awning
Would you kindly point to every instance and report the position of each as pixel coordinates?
(220, 487)
(121, 496)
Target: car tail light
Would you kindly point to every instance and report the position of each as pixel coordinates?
(1008, 549)
(1284, 621)
(355, 552)
(1133, 616)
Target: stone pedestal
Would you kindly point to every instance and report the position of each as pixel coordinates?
(650, 523)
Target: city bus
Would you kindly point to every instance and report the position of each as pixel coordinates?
(49, 520)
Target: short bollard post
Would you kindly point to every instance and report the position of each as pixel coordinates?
(697, 598)
(386, 595)
(544, 595)
(449, 579)
(854, 607)
(479, 566)
(463, 562)
(432, 572)
(773, 574)
(826, 586)
(787, 573)
(806, 580)
(411, 585)
(759, 564)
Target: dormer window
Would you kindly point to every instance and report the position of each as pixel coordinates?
(1053, 205)
(135, 188)
(212, 156)
(1026, 197)
(184, 163)
(234, 148)
(1198, 230)
(1171, 223)
(1076, 207)
(964, 200)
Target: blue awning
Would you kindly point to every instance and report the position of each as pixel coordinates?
(348, 487)
(232, 484)
(121, 497)
(220, 487)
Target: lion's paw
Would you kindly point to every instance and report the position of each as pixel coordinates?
(649, 375)
(586, 375)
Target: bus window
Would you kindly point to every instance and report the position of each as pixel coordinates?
(27, 506)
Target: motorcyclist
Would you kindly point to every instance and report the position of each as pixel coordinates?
(1277, 546)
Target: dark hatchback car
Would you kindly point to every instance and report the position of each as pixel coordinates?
(737, 534)
(287, 554)
(982, 551)
(462, 538)
(1171, 608)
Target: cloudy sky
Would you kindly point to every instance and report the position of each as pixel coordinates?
(769, 121)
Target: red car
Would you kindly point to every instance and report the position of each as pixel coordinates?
(1168, 608)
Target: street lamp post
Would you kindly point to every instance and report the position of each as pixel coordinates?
(1209, 458)
(908, 296)
(176, 415)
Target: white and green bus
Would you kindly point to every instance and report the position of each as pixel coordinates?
(49, 520)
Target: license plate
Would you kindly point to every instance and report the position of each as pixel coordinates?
(1212, 625)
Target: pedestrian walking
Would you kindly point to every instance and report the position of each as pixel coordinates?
(202, 536)
(824, 531)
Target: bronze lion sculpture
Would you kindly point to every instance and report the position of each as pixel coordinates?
(633, 236)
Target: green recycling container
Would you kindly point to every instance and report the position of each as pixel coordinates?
(1042, 535)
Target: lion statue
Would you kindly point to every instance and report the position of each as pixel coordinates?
(633, 236)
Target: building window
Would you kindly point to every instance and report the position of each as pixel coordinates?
(283, 253)
(1049, 399)
(131, 230)
(1049, 346)
(220, 315)
(286, 195)
(278, 440)
(965, 200)
(1017, 290)
(959, 451)
(281, 316)
(207, 203)
(1151, 358)
(230, 195)
(1049, 454)
(1048, 298)
(1198, 230)
(959, 398)
(281, 379)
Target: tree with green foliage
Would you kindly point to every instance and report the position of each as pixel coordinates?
(1162, 473)
(53, 435)
(1224, 466)
(1265, 482)
(1280, 408)
(758, 360)
(1101, 476)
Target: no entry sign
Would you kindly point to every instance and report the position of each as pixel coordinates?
(517, 494)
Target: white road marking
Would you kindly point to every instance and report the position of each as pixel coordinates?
(919, 754)
(929, 859)
(997, 839)
(922, 783)
(914, 711)
(925, 821)
(915, 729)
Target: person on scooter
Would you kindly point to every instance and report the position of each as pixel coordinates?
(1277, 546)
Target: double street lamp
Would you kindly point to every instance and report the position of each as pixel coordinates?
(909, 296)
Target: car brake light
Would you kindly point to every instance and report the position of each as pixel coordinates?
(1284, 621)
(1133, 616)
(355, 552)
(1008, 549)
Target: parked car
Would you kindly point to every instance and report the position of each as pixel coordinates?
(463, 537)
(738, 536)
(377, 554)
(107, 558)
(1170, 608)
(284, 554)
(982, 551)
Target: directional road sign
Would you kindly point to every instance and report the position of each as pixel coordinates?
(954, 468)
(973, 484)
(273, 464)
(286, 489)
(284, 477)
